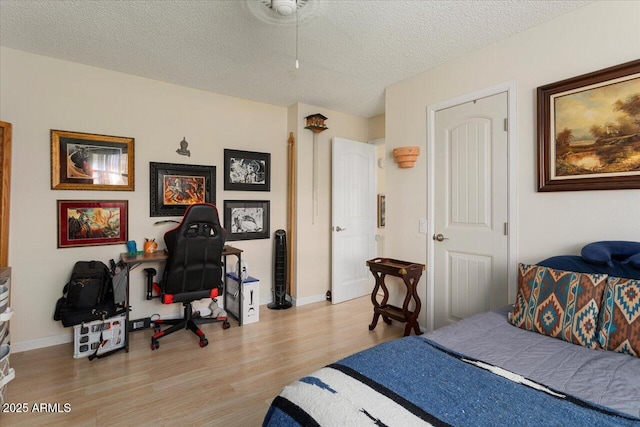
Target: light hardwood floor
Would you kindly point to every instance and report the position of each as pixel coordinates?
(231, 382)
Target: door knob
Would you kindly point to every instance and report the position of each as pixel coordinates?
(439, 237)
(338, 228)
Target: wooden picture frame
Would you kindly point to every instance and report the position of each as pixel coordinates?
(87, 161)
(247, 170)
(589, 131)
(92, 222)
(246, 219)
(381, 210)
(174, 187)
(5, 192)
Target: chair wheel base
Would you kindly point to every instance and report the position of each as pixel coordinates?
(204, 342)
(154, 344)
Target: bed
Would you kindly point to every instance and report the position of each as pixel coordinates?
(487, 370)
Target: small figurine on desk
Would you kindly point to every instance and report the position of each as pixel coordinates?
(150, 246)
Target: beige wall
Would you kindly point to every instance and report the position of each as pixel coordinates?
(313, 267)
(40, 93)
(596, 36)
(376, 127)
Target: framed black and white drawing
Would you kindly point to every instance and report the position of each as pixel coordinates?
(246, 219)
(247, 170)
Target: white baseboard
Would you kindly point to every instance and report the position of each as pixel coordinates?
(17, 347)
(309, 300)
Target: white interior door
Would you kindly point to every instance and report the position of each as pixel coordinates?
(353, 217)
(470, 209)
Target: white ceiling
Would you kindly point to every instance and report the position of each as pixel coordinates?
(349, 50)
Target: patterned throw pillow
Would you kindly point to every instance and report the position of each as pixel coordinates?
(619, 328)
(559, 304)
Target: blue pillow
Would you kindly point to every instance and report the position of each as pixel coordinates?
(602, 253)
(577, 264)
(633, 260)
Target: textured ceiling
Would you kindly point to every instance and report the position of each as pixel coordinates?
(349, 51)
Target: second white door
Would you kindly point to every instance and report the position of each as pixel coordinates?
(353, 218)
(471, 209)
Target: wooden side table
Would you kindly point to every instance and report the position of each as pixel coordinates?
(410, 273)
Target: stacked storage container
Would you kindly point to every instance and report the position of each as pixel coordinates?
(6, 372)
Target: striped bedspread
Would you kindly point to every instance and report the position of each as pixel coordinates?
(413, 381)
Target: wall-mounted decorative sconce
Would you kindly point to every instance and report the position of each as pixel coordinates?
(406, 157)
(315, 122)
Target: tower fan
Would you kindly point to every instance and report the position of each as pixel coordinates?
(280, 273)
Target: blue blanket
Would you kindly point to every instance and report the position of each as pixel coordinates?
(413, 381)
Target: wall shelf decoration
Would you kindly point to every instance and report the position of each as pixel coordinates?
(184, 148)
(92, 222)
(87, 161)
(315, 123)
(174, 187)
(406, 157)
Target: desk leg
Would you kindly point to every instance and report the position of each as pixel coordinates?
(126, 312)
(224, 289)
(240, 290)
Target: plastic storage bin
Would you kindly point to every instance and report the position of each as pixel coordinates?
(4, 333)
(4, 297)
(6, 373)
(87, 337)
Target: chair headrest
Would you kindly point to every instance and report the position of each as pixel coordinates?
(204, 212)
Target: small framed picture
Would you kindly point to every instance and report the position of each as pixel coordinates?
(381, 210)
(174, 187)
(86, 161)
(92, 222)
(246, 219)
(247, 170)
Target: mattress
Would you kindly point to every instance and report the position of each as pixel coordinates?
(479, 371)
(603, 377)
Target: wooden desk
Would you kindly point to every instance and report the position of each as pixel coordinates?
(410, 273)
(131, 261)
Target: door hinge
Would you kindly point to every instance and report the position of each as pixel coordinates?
(506, 228)
(506, 125)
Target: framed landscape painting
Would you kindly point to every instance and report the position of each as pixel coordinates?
(589, 131)
(92, 222)
(174, 187)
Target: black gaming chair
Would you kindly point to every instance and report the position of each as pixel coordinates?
(193, 269)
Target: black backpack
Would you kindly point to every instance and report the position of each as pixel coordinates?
(87, 296)
(89, 285)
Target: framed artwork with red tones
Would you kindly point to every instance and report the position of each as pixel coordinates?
(174, 187)
(92, 222)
